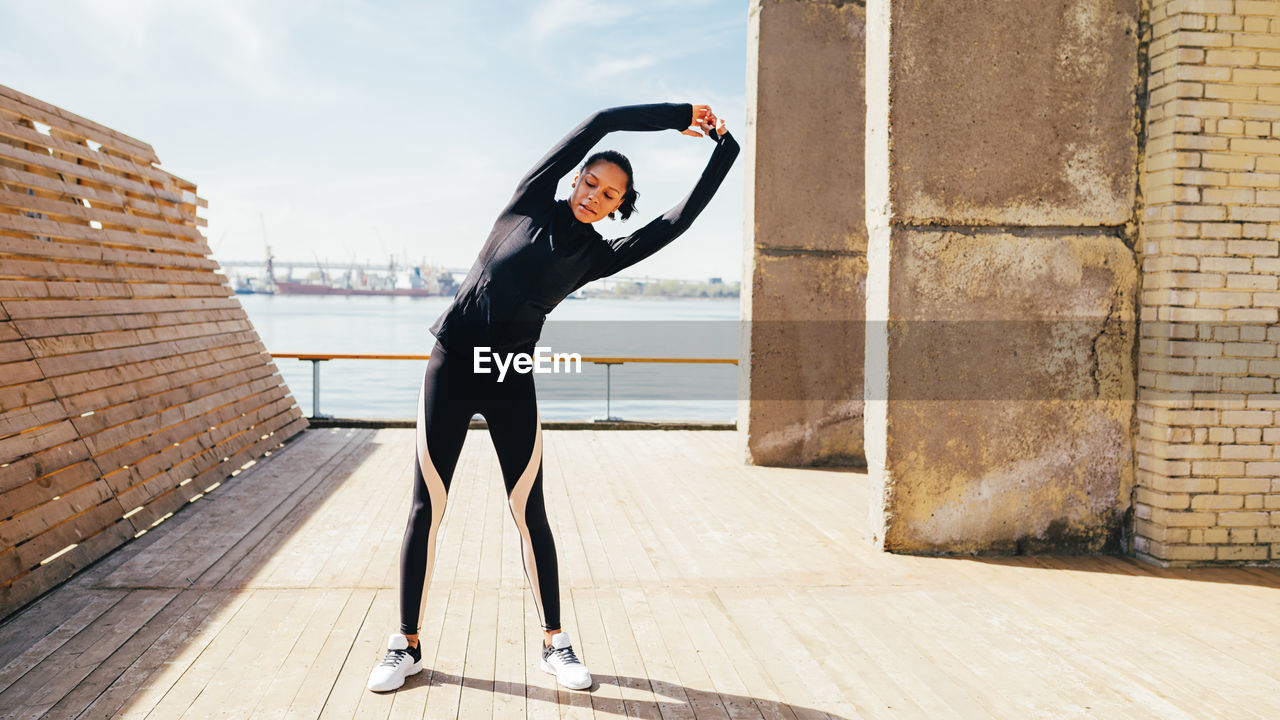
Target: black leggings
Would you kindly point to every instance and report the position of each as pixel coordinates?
(451, 394)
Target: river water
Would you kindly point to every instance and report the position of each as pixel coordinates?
(633, 327)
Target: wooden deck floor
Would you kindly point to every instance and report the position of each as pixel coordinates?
(693, 586)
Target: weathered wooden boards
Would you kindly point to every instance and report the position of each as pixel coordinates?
(694, 587)
(130, 378)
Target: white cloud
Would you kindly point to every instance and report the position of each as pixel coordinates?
(553, 17)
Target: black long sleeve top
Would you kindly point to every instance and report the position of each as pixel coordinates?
(538, 252)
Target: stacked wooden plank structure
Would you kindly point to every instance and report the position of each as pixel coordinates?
(131, 381)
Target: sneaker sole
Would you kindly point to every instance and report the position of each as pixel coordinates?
(546, 668)
(413, 669)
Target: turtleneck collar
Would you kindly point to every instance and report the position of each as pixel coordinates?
(567, 221)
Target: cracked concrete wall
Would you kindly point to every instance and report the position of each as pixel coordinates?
(1001, 160)
(806, 239)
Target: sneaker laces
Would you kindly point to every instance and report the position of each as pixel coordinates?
(394, 657)
(565, 654)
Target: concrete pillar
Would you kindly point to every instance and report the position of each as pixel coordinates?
(806, 255)
(1001, 170)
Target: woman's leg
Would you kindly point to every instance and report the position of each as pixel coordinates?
(511, 409)
(445, 406)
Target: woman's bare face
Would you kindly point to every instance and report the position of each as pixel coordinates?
(597, 191)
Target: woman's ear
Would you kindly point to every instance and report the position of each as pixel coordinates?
(574, 183)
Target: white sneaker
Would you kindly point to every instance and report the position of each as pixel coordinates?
(560, 661)
(401, 661)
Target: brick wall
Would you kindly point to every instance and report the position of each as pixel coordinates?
(1208, 446)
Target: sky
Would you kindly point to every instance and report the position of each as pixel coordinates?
(355, 129)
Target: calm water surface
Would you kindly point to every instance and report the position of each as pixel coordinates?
(631, 327)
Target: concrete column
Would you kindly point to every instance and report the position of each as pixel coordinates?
(1001, 169)
(806, 256)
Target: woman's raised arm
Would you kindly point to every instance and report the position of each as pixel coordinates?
(659, 232)
(539, 184)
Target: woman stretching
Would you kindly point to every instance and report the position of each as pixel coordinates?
(539, 251)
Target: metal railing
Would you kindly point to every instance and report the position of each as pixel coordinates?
(607, 362)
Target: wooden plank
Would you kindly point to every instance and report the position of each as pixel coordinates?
(203, 469)
(312, 698)
(202, 671)
(72, 531)
(39, 690)
(14, 243)
(24, 588)
(11, 129)
(703, 701)
(355, 510)
(364, 553)
(67, 168)
(277, 699)
(77, 270)
(509, 661)
(117, 446)
(272, 426)
(20, 372)
(31, 416)
(124, 674)
(1133, 678)
(96, 193)
(38, 491)
(115, 395)
(659, 668)
(723, 665)
(32, 392)
(236, 686)
(157, 323)
(30, 107)
(880, 635)
(44, 289)
(177, 397)
(171, 657)
(58, 345)
(74, 213)
(30, 523)
(161, 374)
(1015, 672)
(47, 625)
(212, 423)
(116, 385)
(190, 242)
(1231, 656)
(54, 458)
(23, 309)
(629, 669)
(12, 347)
(349, 697)
(226, 544)
(63, 371)
(16, 446)
(591, 644)
(476, 696)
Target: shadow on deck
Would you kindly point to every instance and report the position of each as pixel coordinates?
(693, 586)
